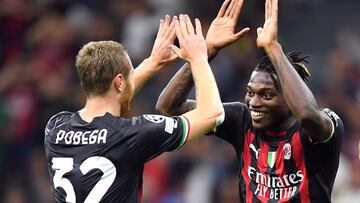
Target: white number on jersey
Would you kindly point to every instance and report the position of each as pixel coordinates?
(63, 165)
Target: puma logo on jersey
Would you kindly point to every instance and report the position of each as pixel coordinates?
(255, 150)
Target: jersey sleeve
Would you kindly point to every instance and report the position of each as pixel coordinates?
(337, 129)
(322, 158)
(328, 151)
(237, 118)
(336, 124)
(55, 121)
(155, 134)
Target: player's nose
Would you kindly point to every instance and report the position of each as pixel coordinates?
(255, 102)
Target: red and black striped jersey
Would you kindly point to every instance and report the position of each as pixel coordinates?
(284, 166)
(103, 161)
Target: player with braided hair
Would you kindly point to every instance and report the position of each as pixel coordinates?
(287, 147)
(297, 61)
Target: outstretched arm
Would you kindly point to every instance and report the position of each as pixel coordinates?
(298, 96)
(161, 55)
(209, 110)
(173, 99)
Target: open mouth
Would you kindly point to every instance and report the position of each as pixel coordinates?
(257, 115)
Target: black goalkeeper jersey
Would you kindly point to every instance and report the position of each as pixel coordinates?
(284, 166)
(103, 161)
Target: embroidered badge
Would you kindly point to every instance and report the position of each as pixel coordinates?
(287, 151)
(271, 159)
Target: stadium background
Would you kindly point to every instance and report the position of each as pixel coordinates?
(39, 40)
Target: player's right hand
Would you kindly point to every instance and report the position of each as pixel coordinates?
(222, 29)
(192, 43)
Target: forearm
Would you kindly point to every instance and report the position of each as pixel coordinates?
(209, 111)
(174, 95)
(143, 73)
(172, 100)
(298, 96)
(207, 94)
(212, 52)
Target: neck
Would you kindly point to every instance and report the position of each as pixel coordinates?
(283, 126)
(98, 106)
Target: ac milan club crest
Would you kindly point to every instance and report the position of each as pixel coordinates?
(287, 151)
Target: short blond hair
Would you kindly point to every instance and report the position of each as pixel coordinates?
(97, 63)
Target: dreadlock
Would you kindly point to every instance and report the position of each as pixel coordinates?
(297, 61)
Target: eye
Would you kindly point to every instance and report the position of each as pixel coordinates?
(249, 93)
(267, 95)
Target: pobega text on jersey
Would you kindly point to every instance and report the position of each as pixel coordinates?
(81, 137)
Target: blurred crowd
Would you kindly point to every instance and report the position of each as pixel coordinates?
(39, 40)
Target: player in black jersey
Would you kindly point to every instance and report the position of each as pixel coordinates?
(98, 155)
(287, 147)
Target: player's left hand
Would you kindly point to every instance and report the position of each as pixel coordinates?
(222, 30)
(161, 53)
(267, 35)
(192, 43)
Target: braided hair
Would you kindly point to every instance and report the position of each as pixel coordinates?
(297, 61)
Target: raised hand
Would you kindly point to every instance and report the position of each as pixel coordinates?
(192, 43)
(222, 30)
(161, 53)
(267, 35)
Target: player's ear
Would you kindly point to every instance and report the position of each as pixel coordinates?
(119, 82)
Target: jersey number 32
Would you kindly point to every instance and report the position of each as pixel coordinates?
(63, 165)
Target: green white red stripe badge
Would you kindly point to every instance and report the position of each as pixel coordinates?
(271, 159)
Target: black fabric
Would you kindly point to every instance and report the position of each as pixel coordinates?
(108, 153)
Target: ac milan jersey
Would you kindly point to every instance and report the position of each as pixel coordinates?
(284, 166)
(103, 161)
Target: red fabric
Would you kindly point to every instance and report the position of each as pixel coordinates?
(249, 137)
(300, 164)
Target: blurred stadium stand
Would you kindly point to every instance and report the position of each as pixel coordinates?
(39, 40)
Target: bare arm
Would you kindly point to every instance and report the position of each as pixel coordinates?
(161, 55)
(298, 96)
(193, 49)
(173, 99)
